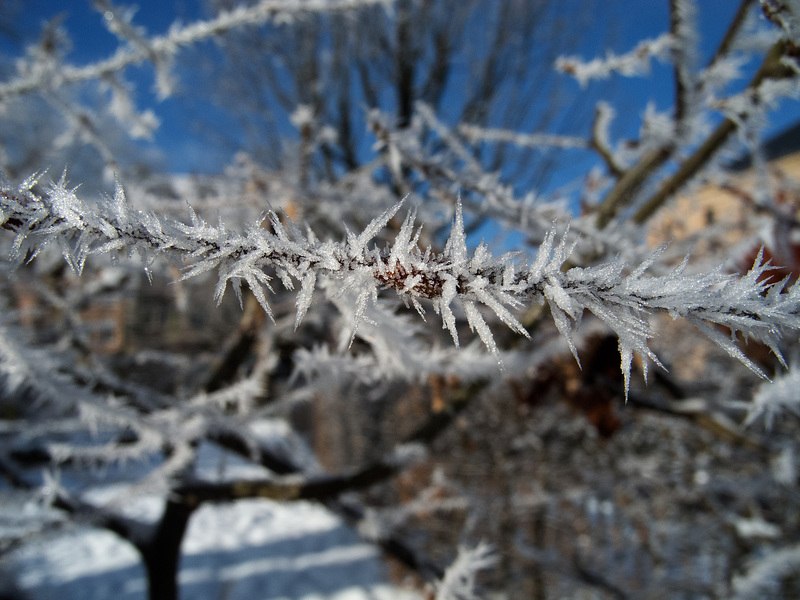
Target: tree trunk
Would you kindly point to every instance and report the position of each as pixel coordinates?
(404, 77)
(162, 553)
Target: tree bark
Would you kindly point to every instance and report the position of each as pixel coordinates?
(161, 554)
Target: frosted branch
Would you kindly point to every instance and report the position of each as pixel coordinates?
(632, 64)
(600, 142)
(620, 295)
(459, 579)
(525, 140)
(160, 49)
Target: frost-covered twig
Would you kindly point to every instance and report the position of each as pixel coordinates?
(621, 298)
(481, 134)
(600, 143)
(459, 579)
(166, 46)
(531, 214)
(634, 63)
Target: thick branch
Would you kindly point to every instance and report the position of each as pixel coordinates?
(630, 183)
(771, 68)
(161, 554)
(733, 30)
(679, 52)
(330, 487)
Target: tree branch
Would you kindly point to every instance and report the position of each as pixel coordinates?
(329, 487)
(166, 46)
(771, 68)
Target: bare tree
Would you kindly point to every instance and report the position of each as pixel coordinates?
(478, 62)
(450, 395)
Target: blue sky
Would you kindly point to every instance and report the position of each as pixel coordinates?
(625, 22)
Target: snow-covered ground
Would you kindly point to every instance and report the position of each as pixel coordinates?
(251, 549)
(248, 549)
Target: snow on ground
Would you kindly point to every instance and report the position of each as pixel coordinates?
(251, 549)
(245, 550)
